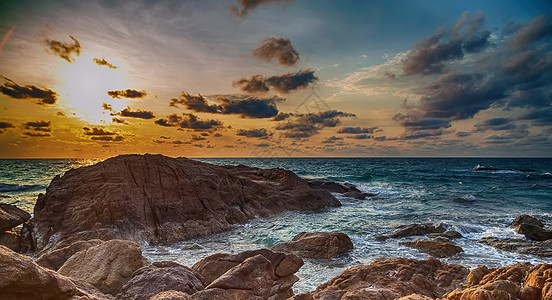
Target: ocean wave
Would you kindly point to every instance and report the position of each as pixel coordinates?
(466, 198)
(7, 187)
(494, 170)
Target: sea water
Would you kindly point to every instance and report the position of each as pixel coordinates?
(479, 197)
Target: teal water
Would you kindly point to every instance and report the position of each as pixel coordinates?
(478, 197)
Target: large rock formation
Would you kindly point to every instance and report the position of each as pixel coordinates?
(22, 278)
(393, 278)
(11, 216)
(316, 244)
(106, 266)
(155, 198)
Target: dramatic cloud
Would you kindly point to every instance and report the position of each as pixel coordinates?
(431, 55)
(103, 62)
(42, 95)
(119, 121)
(102, 135)
(188, 121)
(4, 126)
(253, 133)
(495, 124)
(331, 140)
(282, 116)
(128, 93)
(358, 130)
(36, 134)
(280, 49)
(106, 106)
(247, 5)
(43, 126)
(250, 107)
(537, 29)
(284, 83)
(138, 113)
(307, 125)
(64, 50)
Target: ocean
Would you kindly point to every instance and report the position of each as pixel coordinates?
(479, 197)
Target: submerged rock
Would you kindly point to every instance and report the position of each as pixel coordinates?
(12, 216)
(393, 278)
(437, 248)
(160, 277)
(106, 266)
(316, 244)
(154, 198)
(412, 230)
(22, 278)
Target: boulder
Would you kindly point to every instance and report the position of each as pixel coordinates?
(160, 277)
(449, 234)
(107, 266)
(12, 216)
(316, 244)
(523, 246)
(413, 230)
(224, 294)
(56, 258)
(213, 266)
(436, 248)
(526, 219)
(22, 278)
(154, 198)
(11, 240)
(538, 276)
(393, 278)
(534, 232)
(171, 295)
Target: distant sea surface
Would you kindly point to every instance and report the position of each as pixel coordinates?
(478, 197)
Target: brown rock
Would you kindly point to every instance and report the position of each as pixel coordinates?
(526, 219)
(328, 185)
(530, 293)
(22, 278)
(316, 245)
(476, 275)
(159, 277)
(106, 266)
(514, 273)
(11, 240)
(413, 230)
(53, 260)
(523, 246)
(534, 232)
(255, 274)
(394, 278)
(171, 295)
(11, 216)
(302, 296)
(154, 198)
(213, 266)
(224, 294)
(538, 275)
(436, 248)
(415, 297)
(449, 234)
(547, 291)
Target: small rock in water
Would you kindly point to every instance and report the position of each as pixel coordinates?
(412, 230)
(192, 246)
(316, 244)
(436, 248)
(449, 234)
(526, 219)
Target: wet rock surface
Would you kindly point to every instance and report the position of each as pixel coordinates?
(439, 247)
(347, 190)
(316, 244)
(412, 230)
(153, 198)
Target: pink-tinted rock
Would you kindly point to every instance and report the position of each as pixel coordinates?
(106, 266)
(316, 244)
(22, 278)
(155, 198)
(55, 259)
(159, 277)
(394, 278)
(11, 216)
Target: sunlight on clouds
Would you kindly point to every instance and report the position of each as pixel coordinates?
(85, 85)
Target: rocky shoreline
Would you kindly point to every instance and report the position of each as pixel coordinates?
(84, 240)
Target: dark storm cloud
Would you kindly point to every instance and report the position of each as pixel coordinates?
(103, 62)
(96, 131)
(188, 121)
(119, 121)
(307, 125)
(539, 117)
(138, 113)
(529, 98)
(253, 133)
(431, 55)
(247, 5)
(128, 93)
(43, 126)
(537, 29)
(284, 83)
(42, 95)
(496, 124)
(4, 126)
(462, 134)
(362, 137)
(64, 50)
(277, 48)
(250, 107)
(282, 116)
(358, 130)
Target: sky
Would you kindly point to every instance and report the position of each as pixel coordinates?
(275, 78)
